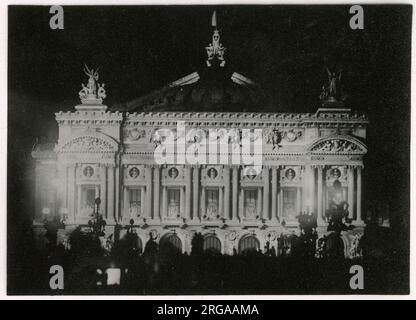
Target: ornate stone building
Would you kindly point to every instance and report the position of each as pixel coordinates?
(308, 160)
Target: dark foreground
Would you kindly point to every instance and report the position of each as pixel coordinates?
(164, 271)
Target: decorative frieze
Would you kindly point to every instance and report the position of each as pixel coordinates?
(87, 144)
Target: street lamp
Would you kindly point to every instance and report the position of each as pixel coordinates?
(63, 213)
(97, 224)
(45, 213)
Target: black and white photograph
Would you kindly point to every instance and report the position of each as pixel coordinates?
(236, 149)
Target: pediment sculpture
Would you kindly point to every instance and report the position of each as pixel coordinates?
(88, 144)
(337, 145)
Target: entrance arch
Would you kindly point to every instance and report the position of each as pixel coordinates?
(248, 244)
(171, 242)
(212, 244)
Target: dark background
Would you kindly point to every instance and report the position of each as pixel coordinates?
(283, 48)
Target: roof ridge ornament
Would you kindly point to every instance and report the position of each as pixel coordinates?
(215, 49)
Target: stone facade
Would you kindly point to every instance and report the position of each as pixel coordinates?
(111, 155)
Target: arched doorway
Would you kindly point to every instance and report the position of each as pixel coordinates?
(248, 244)
(171, 242)
(212, 244)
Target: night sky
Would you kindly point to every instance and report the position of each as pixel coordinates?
(283, 48)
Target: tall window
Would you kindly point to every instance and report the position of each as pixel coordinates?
(212, 201)
(250, 203)
(336, 195)
(173, 203)
(289, 204)
(135, 202)
(87, 200)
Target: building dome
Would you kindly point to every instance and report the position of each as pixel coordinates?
(215, 88)
(212, 89)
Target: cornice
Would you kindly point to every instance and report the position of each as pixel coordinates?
(243, 118)
(89, 117)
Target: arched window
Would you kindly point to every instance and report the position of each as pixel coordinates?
(248, 243)
(171, 242)
(212, 244)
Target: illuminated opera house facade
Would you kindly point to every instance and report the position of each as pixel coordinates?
(307, 160)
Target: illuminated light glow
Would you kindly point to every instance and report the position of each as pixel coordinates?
(113, 276)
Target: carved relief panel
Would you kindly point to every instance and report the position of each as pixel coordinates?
(334, 173)
(173, 176)
(134, 134)
(88, 174)
(250, 177)
(212, 176)
(134, 174)
(291, 175)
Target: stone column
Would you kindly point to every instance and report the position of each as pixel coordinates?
(195, 211)
(188, 182)
(117, 186)
(182, 202)
(164, 202)
(71, 192)
(235, 193)
(259, 202)
(221, 202)
(126, 203)
(351, 192)
(274, 193)
(148, 206)
(320, 195)
(266, 195)
(143, 204)
(280, 204)
(110, 207)
(241, 213)
(97, 192)
(79, 203)
(305, 186)
(227, 193)
(156, 192)
(359, 190)
(279, 198)
(312, 189)
(299, 200)
(203, 202)
(103, 193)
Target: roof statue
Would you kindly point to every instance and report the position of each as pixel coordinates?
(215, 49)
(93, 92)
(331, 94)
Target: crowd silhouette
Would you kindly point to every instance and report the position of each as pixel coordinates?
(298, 264)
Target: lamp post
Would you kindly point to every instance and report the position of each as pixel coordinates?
(64, 214)
(51, 225)
(97, 224)
(45, 213)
